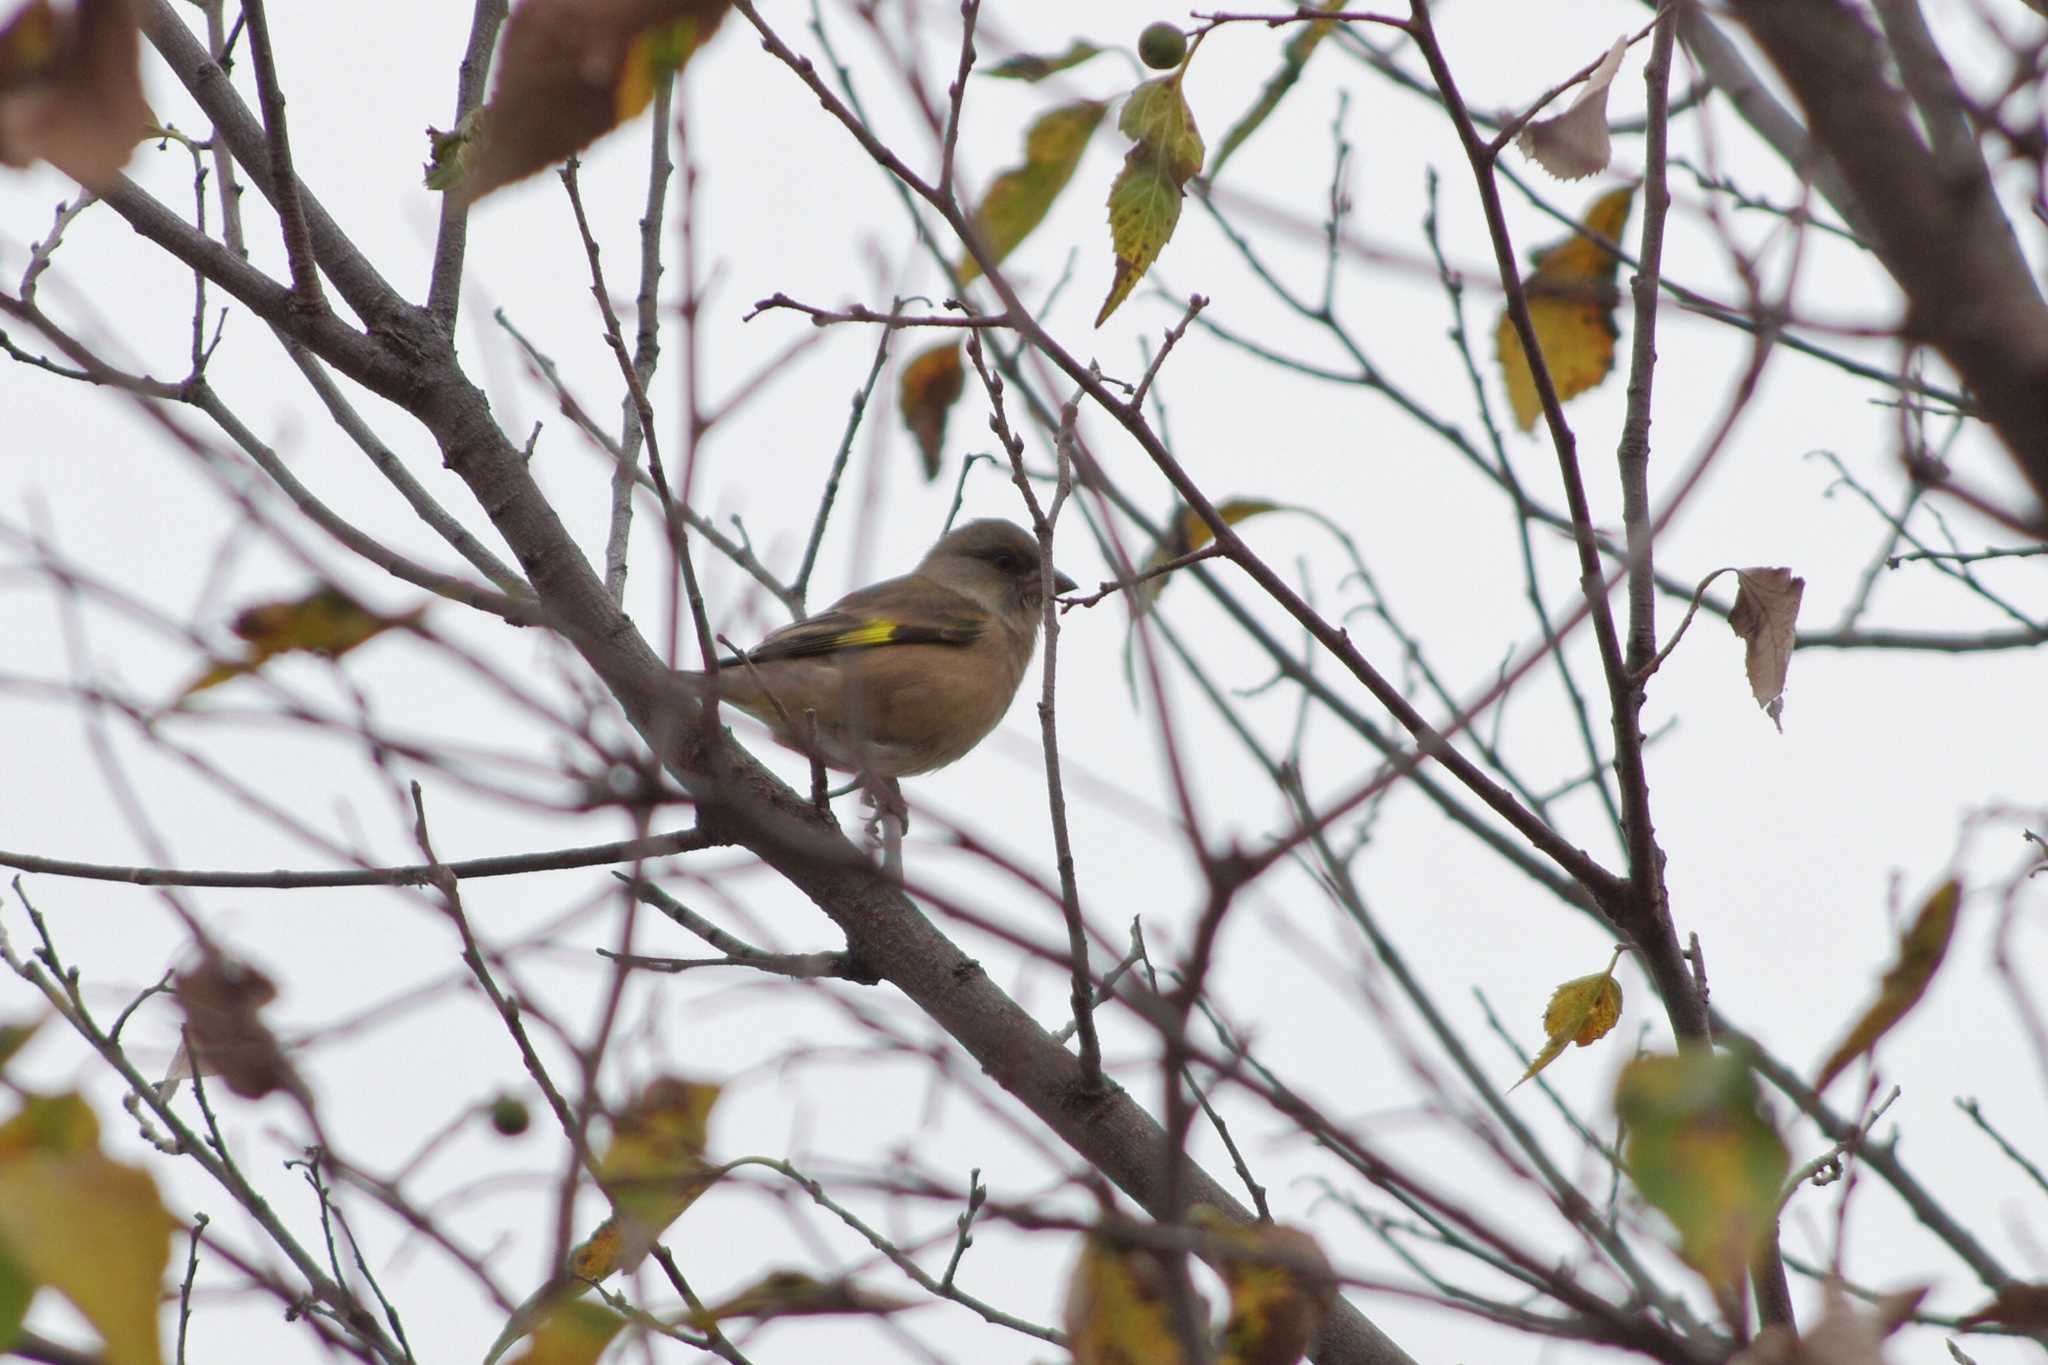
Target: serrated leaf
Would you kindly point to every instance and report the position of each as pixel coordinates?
(1921, 951)
(1703, 1154)
(71, 88)
(1144, 201)
(1027, 66)
(1116, 1309)
(1766, 616)
(1572, 296)
(1574, 144)
(568, 71)
(1293, 58)
(90, 1228)
(1583, 1011)
(931, 383)
(1018, 199)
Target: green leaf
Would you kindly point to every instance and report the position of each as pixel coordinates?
(1031, 66)
(1704, 1154)
(1144, 203)
(1018, 199)
(1293, 58)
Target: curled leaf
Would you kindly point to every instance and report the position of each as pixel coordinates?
(1018, 199)
(930, 384)
(222, 999)
(1187, 533)
(327, 622)
(1028, 66)
(2017, 1305)
(1920, 952)
(1583, 1011)
(1281, 1287)
(568, 71)
(1293, 58)
(572, 1333)
(1572, 296)
(71, 88)
(1574, 144)
(1702, 1152)
(793, 1293)
(1766, 616)
(1144, 201)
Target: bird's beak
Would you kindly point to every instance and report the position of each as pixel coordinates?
(1061, 583)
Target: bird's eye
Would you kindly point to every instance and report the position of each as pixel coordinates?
(1006, 562)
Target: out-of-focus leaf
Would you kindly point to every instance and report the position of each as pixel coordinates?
(1574, 144)
(793, 1293)
(1144, 201)
(1281, 1288)
(1702, 1153)
(1766, 616)
(1029, 66)
(1293, 57)
(1920, 952)
(1846, 1333)
(1187, 533)
(1018, 199)
(223, 1000)
(1116, 1310)
(14, 1037)
(1583, 1011)
(568, 71)
(327, 622)
(71, 88)
(931, 383)
(90, 1228)
(572, 1333)
(2017, 1305)
(652, 1170)
(1572, 296)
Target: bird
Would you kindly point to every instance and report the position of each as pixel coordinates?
(906, 675)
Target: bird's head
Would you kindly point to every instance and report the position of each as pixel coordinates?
(996, 562)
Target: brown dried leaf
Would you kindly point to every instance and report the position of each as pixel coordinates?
(2017, 1305)
(931, 383)
(568, 71)
(222, 999)
(1766, 616)
(1574, 144)
(71, 89)
(1920, 953)
(1843, 1334)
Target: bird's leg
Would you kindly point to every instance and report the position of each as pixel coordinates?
(890, 819)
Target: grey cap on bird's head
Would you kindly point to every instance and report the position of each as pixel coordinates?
(1003, 545)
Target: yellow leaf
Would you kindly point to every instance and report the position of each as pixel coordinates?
(88, 1227)
(1188, 533)
(1281, 1287)
(1572, 297)
(1766, 616)
(1116, 1311)
(568, 71)
(573, 1333)
(71, 89)
(1018, 199)
(931, 383)
(1702, 1152)
(793, 1293)
(1920, 953)
(327, 622)
(1144, 201)
(1583, 1010)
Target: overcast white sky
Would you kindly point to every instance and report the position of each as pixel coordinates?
(1788, 853)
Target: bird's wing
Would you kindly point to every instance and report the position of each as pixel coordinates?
(902, 611)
